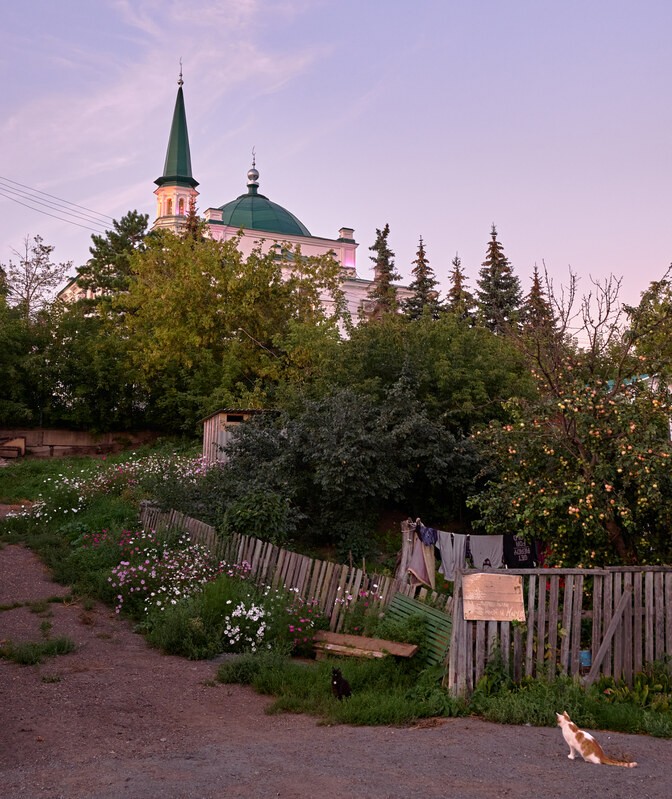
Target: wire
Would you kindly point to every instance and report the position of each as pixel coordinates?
(46, 213)
(72, 211)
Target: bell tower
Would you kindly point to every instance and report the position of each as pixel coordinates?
(176, 187)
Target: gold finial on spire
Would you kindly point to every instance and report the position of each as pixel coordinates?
(180, 82)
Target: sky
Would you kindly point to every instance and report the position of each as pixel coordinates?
(549, 120)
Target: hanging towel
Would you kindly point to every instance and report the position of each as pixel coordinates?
(421, 565)
(487, 548)
(453, 549)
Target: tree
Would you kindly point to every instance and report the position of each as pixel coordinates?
(425, 298)
(499, 293)
(209, 327)
(383, 293)
(460, 301)
(537, 312)
(585, 465)
(339, 461)
(31, 282)
(108, 271)
(194, 226)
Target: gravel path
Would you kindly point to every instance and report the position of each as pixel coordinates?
(117, 719)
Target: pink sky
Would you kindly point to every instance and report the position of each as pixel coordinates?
(440, 117)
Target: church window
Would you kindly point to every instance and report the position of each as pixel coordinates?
(169, 208)
(181, 211)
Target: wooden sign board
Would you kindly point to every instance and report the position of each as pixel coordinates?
(493, 597)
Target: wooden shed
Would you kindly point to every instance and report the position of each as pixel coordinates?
(217, 430)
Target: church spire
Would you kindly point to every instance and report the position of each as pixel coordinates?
(177, 168)
(176, 190)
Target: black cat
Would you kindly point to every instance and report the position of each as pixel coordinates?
(339, 685)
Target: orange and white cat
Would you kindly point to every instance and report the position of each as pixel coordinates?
(584, 743)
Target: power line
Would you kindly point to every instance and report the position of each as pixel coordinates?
(46, 213)
(72, 211)
(53, 196)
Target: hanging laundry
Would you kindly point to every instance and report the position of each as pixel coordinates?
(487, 551)
(428, 535)
(453, 549)
(519, 553)
(421, 567)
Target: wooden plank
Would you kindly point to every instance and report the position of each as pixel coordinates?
(567, 600)
(363, 645)
(545, 586)
(469, 655)
(649, 611)
(668, 613)
(493, 639)
(607, 614)
(596, 627)
(493, 597)
(659, 599)
(551, 670)
(627, 630)
(617, 644)
(577, 612)
(637, 614)
(480, 653)
(604, 646)
(531, 621)
(505, 644)
(457, 677)
(517, 653)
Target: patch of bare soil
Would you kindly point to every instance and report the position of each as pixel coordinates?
(117, 719)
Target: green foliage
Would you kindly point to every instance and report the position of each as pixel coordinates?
(382, 692)
(499, 292)
(231, 614)
(266, 515)
(32, 653)
(109, 269)
(425, 297)
(587, 471)
(336, 462)
(383, 293)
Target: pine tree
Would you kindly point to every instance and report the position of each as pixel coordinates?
(537, 313)
(383, 293)
(499, 293)
(108, 269)
(460, 300)
(425, 298)
(194, 226)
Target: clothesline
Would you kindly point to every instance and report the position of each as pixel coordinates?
(458, 550)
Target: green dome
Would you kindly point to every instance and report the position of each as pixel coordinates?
(254, 211)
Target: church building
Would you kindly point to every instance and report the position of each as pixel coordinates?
(252, 214)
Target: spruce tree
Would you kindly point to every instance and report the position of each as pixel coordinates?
(537, 313)
(460, 301)
(194, 226)
(499, 293)
(383, 293)
(425, 298)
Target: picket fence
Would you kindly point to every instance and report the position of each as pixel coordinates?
(579, 622)
(335, 588)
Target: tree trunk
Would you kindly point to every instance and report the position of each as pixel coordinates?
(615, 534)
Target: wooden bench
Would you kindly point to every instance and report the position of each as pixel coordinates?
(438, 624)
(327, 643)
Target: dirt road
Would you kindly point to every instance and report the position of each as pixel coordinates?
(117, 719)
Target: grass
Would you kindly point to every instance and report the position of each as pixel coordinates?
(383, 691)
(31, 653)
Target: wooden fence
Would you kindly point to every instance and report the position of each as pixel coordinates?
(615, 619)
(334, 587)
